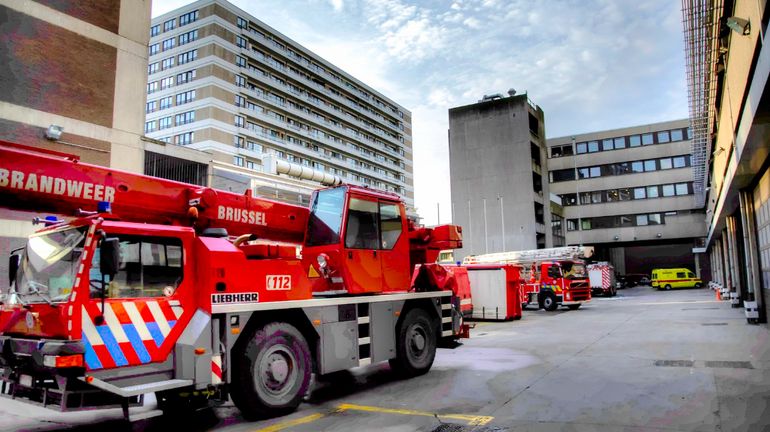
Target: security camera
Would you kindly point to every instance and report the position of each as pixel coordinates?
(54, 132)
(739, 25)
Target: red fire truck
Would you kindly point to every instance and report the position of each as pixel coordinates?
(556, 276)
(198, 294)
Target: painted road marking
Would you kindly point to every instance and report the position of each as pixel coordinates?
(291, 423)
(681, 302)
(474, 420)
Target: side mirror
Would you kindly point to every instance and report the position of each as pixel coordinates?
(109, 256)
(14, 262)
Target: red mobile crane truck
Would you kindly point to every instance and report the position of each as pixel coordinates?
(557, 276)
(194, 293)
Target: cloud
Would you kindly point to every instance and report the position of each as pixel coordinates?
(590, 64)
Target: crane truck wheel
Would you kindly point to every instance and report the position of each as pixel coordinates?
(668, 287)
(549, 302)
(415, 344)
(271, 372)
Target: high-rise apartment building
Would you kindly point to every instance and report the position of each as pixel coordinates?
(629, 193)
(499, 193)
(728, 70)
(222, 81)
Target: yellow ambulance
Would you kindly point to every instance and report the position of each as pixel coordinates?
(675, 278)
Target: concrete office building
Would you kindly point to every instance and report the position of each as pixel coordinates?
(728, 67)
(71, 75)
(222, 81)
(629, 192)
(499, 193)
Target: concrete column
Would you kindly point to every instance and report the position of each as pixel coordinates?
(751, 248)
(732, 247)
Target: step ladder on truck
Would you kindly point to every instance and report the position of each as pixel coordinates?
(199, 295)
(553, 277)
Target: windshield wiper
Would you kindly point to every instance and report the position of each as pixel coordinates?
(33, 288)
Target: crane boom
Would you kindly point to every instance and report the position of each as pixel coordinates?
(532, 256)
(49, 181)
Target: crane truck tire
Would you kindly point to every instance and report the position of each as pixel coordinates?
(271, 372)
(415, 344)
(667, 287)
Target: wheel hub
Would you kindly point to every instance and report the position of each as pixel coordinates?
(418, 341)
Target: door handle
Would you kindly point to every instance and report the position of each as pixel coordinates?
(375, 253)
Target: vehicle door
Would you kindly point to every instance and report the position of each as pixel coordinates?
(362, 272)
(394, 247)
(681, 280)
(146, 305)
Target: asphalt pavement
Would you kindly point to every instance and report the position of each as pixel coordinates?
(645, 360)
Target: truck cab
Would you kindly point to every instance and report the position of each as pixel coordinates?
(562, 282)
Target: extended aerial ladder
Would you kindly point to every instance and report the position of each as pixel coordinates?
(187, 291)
(553, 277)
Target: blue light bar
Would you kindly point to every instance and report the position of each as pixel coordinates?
(104, 207)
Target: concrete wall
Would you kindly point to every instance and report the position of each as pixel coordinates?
(490, 162)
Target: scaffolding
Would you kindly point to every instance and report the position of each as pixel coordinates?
(701, 24)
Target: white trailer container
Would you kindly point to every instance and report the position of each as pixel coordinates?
(602, 278)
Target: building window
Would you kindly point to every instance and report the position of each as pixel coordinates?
(239, 121)
(676, 135)
(593, 146)
(620, 143)
(240, 81)
(563, 150)
(649, 165)
(654, 219)
(572, 224)
(641, 220)
(184, 139)
(166, 102)
(183, 98)
(680, 162)
(607, 145)
(634, 141)
(637, 167)
(188, 18)
(665, 163)
(152, 106)
(238, 160)
(184, 118)
(585, 224)
(668, 190)
(152, 87)
(242, 23)
(164, 123)
(581, 148)
(188, 37)
(150, 126)
(240, 101)
(682, 189)
(166, 82)
(251, 145)
(647, 139)
(169, 25)
(167, 63)
(154, 49)
(240, 41)
(155, 30)
(185, 77)
(664, 137)
(640, 193)
(168, 44)
(652, 192)
(187, 57)
(240, 61)
(152, 68)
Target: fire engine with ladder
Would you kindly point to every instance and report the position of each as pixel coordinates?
(553, 277)
(197, 294)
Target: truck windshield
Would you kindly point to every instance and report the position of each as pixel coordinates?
(49, 265)
(326, 217)
(573, 270)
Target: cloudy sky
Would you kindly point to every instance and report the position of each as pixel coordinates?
(589, 64)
